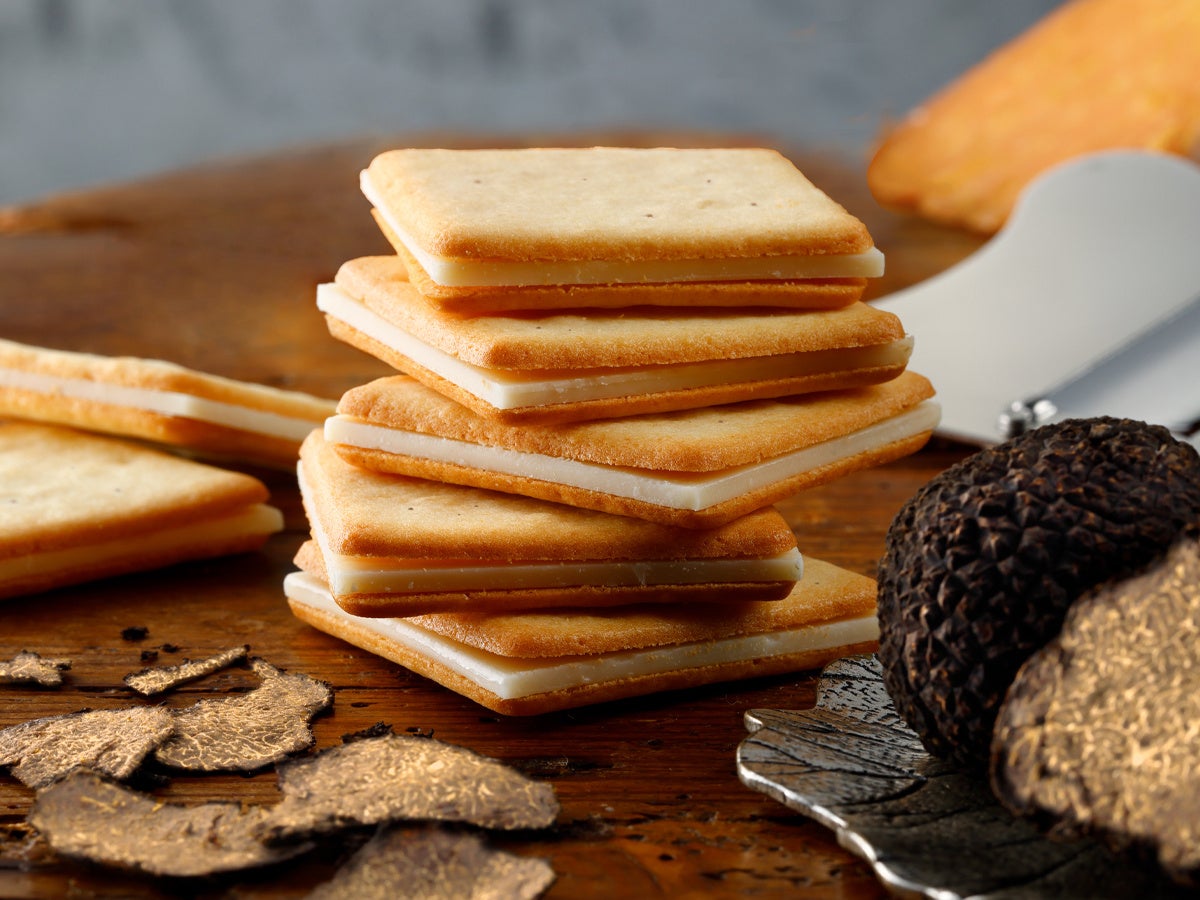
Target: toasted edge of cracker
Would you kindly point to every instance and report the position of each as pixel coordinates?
(629, 405)
(158, 401)
(82, 506)
(858, 600)
(808, 293)
(387, 604)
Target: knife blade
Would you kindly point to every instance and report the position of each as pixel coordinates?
(1153, 377)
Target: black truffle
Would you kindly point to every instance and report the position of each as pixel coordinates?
(1097, 735)
(983, 562)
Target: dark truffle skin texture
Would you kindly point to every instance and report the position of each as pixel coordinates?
(983, 562)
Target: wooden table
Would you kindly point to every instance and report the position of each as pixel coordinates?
(215, 268)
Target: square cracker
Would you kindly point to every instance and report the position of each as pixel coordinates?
(392, 524)
(809, 293)
(594, 339)
(558, 366)
(630, 209)
(80, 506)
(535, 663)
(655, 467)
(157, 401)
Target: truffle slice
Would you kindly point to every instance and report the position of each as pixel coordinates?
(394, 777)
(431, 863)
(86, 817)
(1100, 732)
(983, 561)
(248, 732)
(113, 742)
(151, 681)
(30, 668)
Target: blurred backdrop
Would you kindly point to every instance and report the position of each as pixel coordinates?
(100, 90)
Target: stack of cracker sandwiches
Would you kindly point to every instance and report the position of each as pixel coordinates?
(97, 470)
(610, 362)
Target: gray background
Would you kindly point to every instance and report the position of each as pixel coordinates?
(101, 90)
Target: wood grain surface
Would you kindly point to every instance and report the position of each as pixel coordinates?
(215, 268)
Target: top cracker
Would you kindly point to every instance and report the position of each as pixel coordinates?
(608, 215)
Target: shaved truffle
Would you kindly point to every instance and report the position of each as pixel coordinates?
(1098, 734)
(433, 863)
(111, 741)
(149, 682)
(393, 777)
(86, 817)
(983, 562)
(30, 668)
(248, 732)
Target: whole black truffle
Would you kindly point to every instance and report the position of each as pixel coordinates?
(983, 562)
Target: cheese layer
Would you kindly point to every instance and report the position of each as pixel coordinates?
(464, 272)
(258, 519)
(672, 490)
(506, 389)
(376, 575)
(509, 678)
(167, 403)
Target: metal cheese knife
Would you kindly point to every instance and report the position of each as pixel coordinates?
(1155, 377)
(1084, 304)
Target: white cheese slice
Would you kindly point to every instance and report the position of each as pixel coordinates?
(506, 389)
(672, 490)
(509, 678)
(456, 272)
(258, 519)
(167, 403)
(377, 575)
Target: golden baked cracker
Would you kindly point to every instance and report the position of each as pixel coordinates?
(608, 339)
(571, 365)
(157, 401)
(387, 602)
(534, 663)
(809, 293)
(697, 468)
(1093, 75)
(826, 593)
(608, 214)
(893, 357)
(79, 506)
(392, 545)
(698, 440)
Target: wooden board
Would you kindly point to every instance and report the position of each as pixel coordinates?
(216, 268)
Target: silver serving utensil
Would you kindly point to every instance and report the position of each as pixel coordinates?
(1100, 253)
(1154, 377)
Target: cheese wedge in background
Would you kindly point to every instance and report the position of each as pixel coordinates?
(1093, 75)
(388, 545)
(570, 366)
(541, 662)
(696, 468)
(610, 215)
(79, 506)
(157, 401)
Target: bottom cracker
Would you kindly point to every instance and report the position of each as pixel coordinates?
(461, 668)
